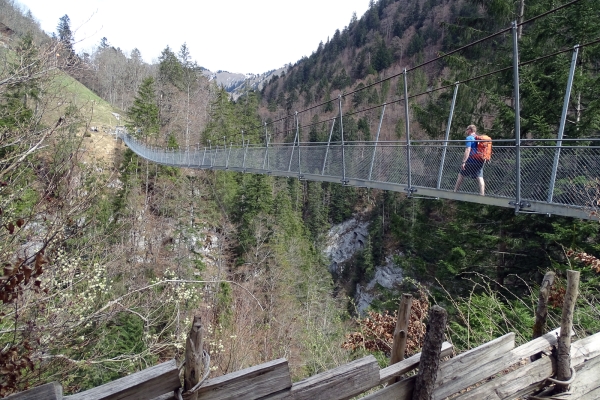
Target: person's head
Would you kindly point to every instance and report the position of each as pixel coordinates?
(471, 130)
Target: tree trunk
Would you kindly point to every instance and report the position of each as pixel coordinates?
(541, 313)
(563, 364)
(193, 357)
(401, 331)
(430, 355)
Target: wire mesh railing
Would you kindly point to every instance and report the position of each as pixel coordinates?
(433, 164)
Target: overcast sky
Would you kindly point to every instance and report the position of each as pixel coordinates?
(237, 36)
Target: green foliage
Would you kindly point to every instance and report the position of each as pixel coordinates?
(143, 114)
(383, 57)
(342, 200)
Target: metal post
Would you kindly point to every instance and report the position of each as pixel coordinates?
(563, 119)
(328, 144)
(203, 155)
(409, 189)
(376, 141)
(517, 202)
(448, 125)
(228, 154)
(245, 151)
(298, 134)
(344, 180)
(266, 148)
(214, 159)
(294, 145)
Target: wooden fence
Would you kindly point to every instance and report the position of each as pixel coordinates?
(494, 370)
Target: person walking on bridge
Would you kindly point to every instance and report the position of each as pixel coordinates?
(472, 166)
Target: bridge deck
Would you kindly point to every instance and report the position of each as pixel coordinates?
(551, 180)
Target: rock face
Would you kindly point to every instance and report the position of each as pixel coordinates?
(388, 276)
(343, 240)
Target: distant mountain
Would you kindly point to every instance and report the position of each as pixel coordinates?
(237, 83)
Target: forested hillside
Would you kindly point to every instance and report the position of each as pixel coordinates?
(106, 261)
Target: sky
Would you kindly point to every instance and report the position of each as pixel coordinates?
(241, 36)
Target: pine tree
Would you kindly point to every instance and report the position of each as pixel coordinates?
(65, 37)
(142, 117)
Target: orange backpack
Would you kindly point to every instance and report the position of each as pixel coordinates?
(484, 147)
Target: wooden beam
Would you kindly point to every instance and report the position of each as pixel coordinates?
(250, 383)
(524, 380)
(586, 380)
(146, 384)
(404, 366)
(49, 391)
(401, 330)
(466, 369)
(340, 383)
(401, 390)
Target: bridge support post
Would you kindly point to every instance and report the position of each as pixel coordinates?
(328, 144)
(298, 135)
(376, 141)
(447, 135)
(214, 158)
(518, 204)
(563, 119)
(245, 151)
(225, 150)
(409, 189)
(266, 148)
(344, 180)
(228, 154)
(294, 145)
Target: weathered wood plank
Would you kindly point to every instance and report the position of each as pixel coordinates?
(466, 369)
(528, 377)
(586, 379)
(167, 396)
(339, 383)
(250, 383)
(401, 330)
(593, 395)
(401, 390)
(523, 352)
(404, 366)
(49, 391)
(146, 384)
(283, 395)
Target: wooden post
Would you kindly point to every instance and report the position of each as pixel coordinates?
(541, 313)
(193, 358)
(401, 331)
(563, 363)
(430, 355)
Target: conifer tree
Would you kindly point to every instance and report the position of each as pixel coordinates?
(142, 117)
(65, 36)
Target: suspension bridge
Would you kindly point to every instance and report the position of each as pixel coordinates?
(557, 176)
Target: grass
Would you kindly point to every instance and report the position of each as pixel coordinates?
(71, 92)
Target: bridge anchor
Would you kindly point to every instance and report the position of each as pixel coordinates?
(410, 191)
(519, 205)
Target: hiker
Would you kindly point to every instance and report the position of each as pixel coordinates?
(472, 164)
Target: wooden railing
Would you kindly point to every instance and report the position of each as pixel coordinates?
(495, 370)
